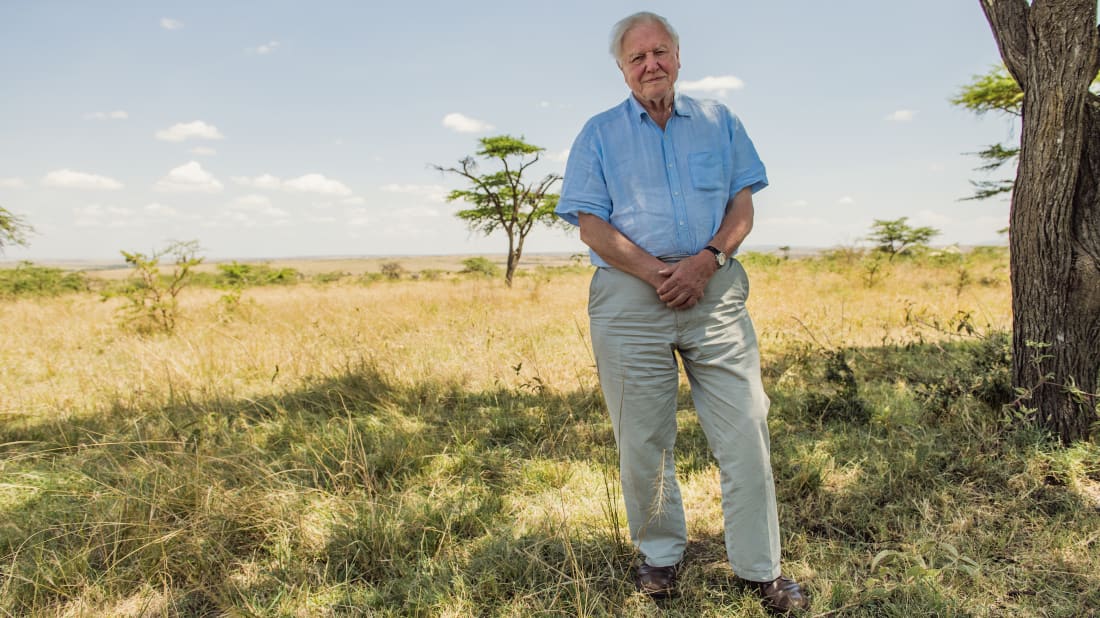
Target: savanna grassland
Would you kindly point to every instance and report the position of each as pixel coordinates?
(434, 444)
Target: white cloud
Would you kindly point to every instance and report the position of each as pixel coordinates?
(68, 179)
(936, 167)
(189, 177)
(465, 124)
(845, 200)
(188, 130)
(118, 114)
(417, 212)
(559, 157)
(258, 204)
(357, 216)
(160, 210)
(350, 201)
(409, 230)
(170, 24)
(203, 151)
(263, 181)
(717, 86)
(264, 49)
(228, 218)
(251, 202)
(317, 183)
(902, 115)
(309, 183)
(435, 193)
(97, 215)
(12, 183)
(933, 218)
(799, 203)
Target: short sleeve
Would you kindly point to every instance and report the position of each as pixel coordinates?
(748, 169)
(584, 186)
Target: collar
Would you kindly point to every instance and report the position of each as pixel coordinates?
(680, 106)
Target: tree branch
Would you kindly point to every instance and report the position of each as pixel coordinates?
(523, 168)
(1008, 21)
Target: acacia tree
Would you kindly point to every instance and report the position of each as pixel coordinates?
(501, 199)
(1051, 48)
(895, 236)
(13, 230)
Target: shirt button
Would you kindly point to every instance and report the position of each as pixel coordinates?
(676, 193)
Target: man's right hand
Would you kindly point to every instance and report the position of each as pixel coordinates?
(685, 281)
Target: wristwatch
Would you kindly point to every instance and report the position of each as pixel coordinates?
(719, 255)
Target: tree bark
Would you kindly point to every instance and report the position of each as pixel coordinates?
(1052, 48)
(513, 259)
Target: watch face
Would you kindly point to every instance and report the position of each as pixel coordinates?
(721, 257)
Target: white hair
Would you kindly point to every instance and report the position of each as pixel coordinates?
(625, 24)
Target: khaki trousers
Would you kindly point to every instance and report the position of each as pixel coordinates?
(635, 338)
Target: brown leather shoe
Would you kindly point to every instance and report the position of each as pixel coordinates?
(782, 594)
(657, 582)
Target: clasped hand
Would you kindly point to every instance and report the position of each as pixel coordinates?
(682, 283)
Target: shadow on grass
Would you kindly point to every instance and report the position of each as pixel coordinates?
(902, 491)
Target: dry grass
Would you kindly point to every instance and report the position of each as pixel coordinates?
(439, 448)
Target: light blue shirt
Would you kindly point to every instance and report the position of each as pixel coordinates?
(664, 190)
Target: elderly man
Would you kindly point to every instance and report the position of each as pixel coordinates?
(661, 187)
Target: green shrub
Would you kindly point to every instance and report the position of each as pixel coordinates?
(329, 277)
(480, 266)
(153, 299)
(836, 394)
(238, 275)
(26, 279)
(755, 258)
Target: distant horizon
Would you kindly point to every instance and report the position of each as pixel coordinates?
(795, 251)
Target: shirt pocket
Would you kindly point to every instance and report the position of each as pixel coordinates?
(706, 171)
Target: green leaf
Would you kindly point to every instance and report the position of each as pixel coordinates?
(882, 555)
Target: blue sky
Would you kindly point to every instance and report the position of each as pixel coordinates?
(280, 128)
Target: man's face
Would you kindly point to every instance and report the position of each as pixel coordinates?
(650, 61)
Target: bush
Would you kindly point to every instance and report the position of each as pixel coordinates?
(239, 275)
(26, 279)
(153, 299)
(330, 277)
(836, 396)
(392, 270)
(755, 258)
(480, 266)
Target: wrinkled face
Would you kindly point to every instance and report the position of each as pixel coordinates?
(650, 61)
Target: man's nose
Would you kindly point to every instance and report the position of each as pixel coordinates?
(651, 63)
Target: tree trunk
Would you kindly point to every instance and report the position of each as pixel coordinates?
(513, 259)
(1052, 48)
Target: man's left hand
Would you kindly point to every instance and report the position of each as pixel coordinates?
(685, 280)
